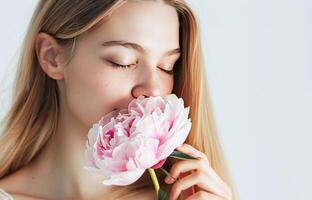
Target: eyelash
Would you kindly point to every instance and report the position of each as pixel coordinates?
(127, 66)
(119, 66)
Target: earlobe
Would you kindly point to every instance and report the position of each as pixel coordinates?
(48, 54)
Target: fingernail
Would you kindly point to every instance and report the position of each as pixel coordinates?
(169, 179)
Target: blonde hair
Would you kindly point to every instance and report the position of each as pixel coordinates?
(33, 116)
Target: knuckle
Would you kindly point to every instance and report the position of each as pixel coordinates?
(175, 169)
(197, 175)
(178, 166)
(202, 163)
(176, 186)
(201, 195)
(205, 157)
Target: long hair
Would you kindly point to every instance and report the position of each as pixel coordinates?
(33, 116)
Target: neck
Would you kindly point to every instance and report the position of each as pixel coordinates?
(59, 166)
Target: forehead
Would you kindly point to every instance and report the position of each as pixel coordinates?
(148, 23)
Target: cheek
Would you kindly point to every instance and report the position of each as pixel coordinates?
(93, 89)
(89, 92)
(171, 84)
(167, 84)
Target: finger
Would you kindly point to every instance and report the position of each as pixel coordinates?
(202, 195)
(183, 184)
(190, 150)
(201, 180)
(189, 191)
(181, 167)
(216, 178)
(206, 168)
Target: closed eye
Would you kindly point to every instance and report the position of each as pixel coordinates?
(119, 65)
(128, 66)
(167, 71)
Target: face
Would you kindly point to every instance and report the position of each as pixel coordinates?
(105, 75)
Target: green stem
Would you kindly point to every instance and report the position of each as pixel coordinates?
(154, 179)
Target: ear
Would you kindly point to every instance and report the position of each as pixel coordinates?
(49, 55)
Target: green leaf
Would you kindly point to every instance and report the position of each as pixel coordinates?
(179, 155)
(162, 195)
(164, 170)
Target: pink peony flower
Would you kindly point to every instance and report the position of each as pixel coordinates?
(123, 144)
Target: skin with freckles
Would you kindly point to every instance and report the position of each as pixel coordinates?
(131, 54)
(91, 86)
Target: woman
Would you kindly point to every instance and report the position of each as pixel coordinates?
(83, 59)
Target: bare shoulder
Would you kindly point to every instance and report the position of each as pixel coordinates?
(9, 183)
(15, 184)
(17, 196)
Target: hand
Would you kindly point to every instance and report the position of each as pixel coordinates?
(198, 174)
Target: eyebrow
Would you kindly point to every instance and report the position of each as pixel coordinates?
(137, 47)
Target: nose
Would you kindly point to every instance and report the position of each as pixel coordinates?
(147, 84)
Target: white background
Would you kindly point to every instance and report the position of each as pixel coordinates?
(259, 68)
